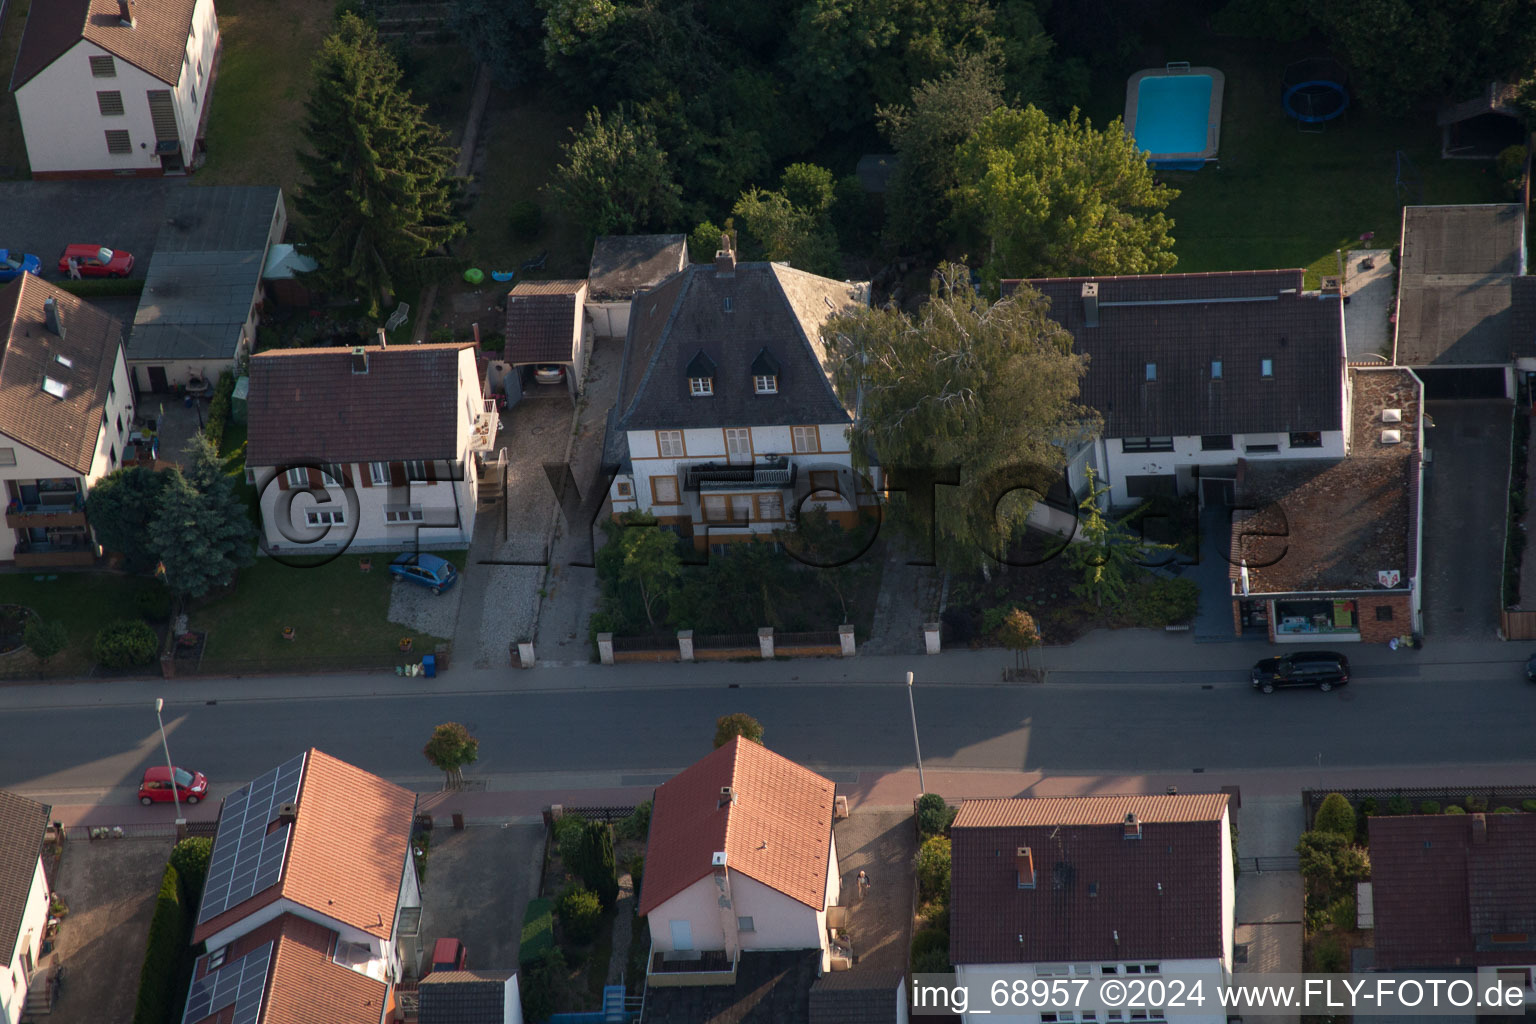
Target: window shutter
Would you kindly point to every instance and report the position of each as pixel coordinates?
(431, 471)
(282, 479)
(316, 481)
(397, 474)
(364, 474)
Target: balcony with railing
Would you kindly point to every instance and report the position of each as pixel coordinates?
(691, 968)
(52, 509)
(60, 549)
(775, 473)
(482, 433)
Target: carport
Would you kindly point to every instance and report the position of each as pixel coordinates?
(546, 328)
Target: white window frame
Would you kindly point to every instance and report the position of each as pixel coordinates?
(807, 440)
(326, 517)
(298, 476)
(330, 479)
(701, 387)
(738, 445)
(413, 514)
(378, 473)
(669, 444)
(765, 383)
(7, 456)
(415, 470)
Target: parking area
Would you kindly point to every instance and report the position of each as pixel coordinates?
(109, 886)
(1464, 501)
(43, 217)
(479, 880)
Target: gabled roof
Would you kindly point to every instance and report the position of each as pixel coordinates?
(155, 43)
(777, 832)
(1455, 284)
(307, 404)
(542, 320)
(1442, 898)
(345, 854)
(1497, 98)
(463, 997)
(64, 429)
(1182, 324)
(22, 825)
(625, 264)
(771, 306)
(1161, 894)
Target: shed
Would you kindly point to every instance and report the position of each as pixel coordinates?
(281, 276)
(240, 399)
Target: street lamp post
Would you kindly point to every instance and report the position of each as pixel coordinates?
(175, 793)
(921, 785)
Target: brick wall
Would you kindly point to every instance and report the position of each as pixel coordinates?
(1374, 630)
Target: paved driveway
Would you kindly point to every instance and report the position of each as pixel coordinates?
(479, 882)
(43, 217)
(1465, 484)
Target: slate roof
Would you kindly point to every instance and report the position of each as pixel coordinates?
(778, 832)
(625, 264)
(1455, 285)
(195, 304)
(463, 997)
(1440, 896)
(542, 318)
(306, 404)
(1183, 323)
(771, 988)
(1091, 882)
(1332, 526)
(772, 306)
(22, 824)
(155, 43)
(347, 852)
(64, 429)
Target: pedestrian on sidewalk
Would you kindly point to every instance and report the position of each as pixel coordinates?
(863, 882)
(74, 269)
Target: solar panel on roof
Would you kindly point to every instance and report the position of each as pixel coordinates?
(246, 857)
(239, 982)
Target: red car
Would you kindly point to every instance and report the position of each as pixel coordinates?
(96, 261)
(448, 955)
(156, 787)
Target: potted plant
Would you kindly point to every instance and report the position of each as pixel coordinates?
(288, 633)
(405, 645)
(365, 564)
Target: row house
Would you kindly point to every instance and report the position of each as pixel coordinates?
(107, 88)
(726, 422)
(66, 412)
(369, 448)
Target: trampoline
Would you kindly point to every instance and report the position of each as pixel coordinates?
(1315, 91)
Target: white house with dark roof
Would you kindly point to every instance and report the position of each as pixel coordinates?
(622, 267)
(107, 88)
(24, 898)
(1192, 372)
(1091, 888)
(370, 448)
(202, 294)
(726, 421)
(66, 409)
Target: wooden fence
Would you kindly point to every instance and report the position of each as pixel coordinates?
(1517, 625)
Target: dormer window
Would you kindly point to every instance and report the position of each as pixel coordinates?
(56, 388)
(63, 360)
(701, 376)
(765, 373)
(765, 384)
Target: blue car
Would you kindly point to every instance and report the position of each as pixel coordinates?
(13, 264)
(427, 570)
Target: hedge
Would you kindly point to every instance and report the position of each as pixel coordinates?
(168, 938)
(218, 408)
(126, 643)
(102, 288)
(538, 932)
(190, 858)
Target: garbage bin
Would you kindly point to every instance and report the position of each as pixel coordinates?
(429, 666)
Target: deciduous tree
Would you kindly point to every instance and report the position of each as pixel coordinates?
(1059, 198)
(450, 749)
(645, 557)
(120, 507)
(794, 223)
(1020, 633)
(615, 178)
(985, 389)
(1107, 552)
(737, 723)
(380, 193)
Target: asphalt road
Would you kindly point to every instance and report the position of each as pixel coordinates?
(1441, 716)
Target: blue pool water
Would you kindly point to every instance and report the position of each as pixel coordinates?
(1172, 114)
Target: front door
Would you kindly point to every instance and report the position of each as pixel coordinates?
(682, 935)
(157, 381)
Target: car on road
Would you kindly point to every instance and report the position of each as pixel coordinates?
(155, 788)
(553, 373)
(448, 955)
(96, 261)
(426, 570)
(1322, 669)
(14, 263)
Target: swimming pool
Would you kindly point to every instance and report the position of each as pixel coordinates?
(1175, 114)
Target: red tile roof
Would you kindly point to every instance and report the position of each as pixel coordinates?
(1440, 896)
(1097, 894)
(541, 321)
(64, 429)
(778, 832)
(155, 43)
(307, 405)
(347, 853)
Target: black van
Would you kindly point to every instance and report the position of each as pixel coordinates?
(1322, 669)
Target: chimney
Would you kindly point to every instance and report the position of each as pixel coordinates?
(1025, 860)
(287, 813)
(383, 339)
(1331, 286)
(726, 905)
(476, 326)
(1480, 829)
(1132, 826)
(125, 13)
(1090, 303)
(727, 796)
(51, 318)
(359, 360)
(725, 256)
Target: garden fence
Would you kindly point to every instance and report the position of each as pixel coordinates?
(724, 641)
(140, 830)
(649, 642)
(607, 815)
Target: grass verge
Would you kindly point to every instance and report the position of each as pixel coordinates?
(13, 144)
(84, 602)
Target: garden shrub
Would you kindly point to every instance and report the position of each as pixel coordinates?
(933, 815)
(935, 961)
(933, 869)
(1399, 805)
(168, 937)
(566, 836)
(126, 644)
(1528, 806)
(1164, 602)
(442, 335)
(1453, 809)
(598, 871)
(538, 933)
(1342, 913)
(1475, 804)
(1327, 955)
(637, 825)
(930, 940)
(190, 858)
(958, 623)
(527, 220)
(102, 287)
(1505, 810)
(218, 409)
(540, 981)
(1336, 816)
(580, 914)
(1429, 807)
(1363, 813)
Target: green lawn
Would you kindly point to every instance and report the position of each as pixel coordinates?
(84, 602)
(13, 146)
(1281, 197)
